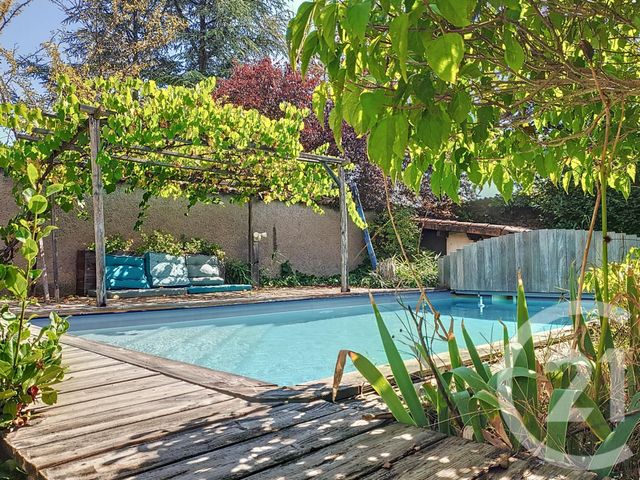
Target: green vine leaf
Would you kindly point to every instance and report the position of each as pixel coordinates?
(445, 54)
(513, 53)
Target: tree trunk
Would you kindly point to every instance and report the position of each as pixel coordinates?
(202, 45)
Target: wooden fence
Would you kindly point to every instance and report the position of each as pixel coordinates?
(543, 256)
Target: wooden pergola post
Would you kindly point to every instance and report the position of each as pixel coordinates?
(254, 267)
(54, 254)
(344, 234)
(98, 210)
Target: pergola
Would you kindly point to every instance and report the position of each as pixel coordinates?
(166, 159)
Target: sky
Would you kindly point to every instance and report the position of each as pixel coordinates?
(39, 21)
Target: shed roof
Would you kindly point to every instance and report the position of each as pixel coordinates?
(486, 229)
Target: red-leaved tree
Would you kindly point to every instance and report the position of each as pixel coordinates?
(264, 85)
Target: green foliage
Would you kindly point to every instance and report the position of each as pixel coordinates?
(424, 265)
(30, 361)
(396, 272)
(9, 470)
(481, 89)
(573, 209)
(384, 238)
(115, 244)
(159, 242)
(624, 288)
(495, 404)
(547, 206)
(406, 409)
(144, 119)
(30, 366)
(207, 45)
(518, 212)
(289, 277)
(201, 246)
(619, 274)
(237, 271)
(164, 242)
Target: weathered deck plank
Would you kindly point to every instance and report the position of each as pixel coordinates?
(357, 456)
(89, 364)
(256, 454)
(135, 459)
(95, 422)
(104, 392)
(103, 376)
(118, 420)
(466, 460)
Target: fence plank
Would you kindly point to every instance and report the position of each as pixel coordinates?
(543, 256)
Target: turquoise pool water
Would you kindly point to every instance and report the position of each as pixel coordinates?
(294, 341)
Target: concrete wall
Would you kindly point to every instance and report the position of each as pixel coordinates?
(310, 241)
(457, 240)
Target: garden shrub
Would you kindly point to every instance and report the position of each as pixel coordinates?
(237, 272)
(546, 205)
(383, 236)
(163, 242)
(30, 360)
(159, 242)
(424, 266)
(395, 272)
(115, 244)
(201, 246)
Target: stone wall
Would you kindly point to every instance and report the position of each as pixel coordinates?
(310, 241)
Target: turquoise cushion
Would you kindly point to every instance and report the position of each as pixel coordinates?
(125, 272)
(114, 260)
(119, 284)
(218, 288)
(204, 270)
(122, 271)
(165, 270)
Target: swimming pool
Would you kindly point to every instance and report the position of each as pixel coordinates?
(291, 342)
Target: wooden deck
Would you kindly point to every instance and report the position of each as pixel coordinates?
(118, 420)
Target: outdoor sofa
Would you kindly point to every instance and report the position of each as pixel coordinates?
(160, 274)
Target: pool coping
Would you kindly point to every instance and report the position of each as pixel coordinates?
(191, 302)
(352, 384)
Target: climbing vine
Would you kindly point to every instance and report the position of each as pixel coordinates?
(499, 90)
(231, 151)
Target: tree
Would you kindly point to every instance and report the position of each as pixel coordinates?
(547, 206)
(264, 85)
(502, 91)
(217, 33)
(15, 81)
(113, 37)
